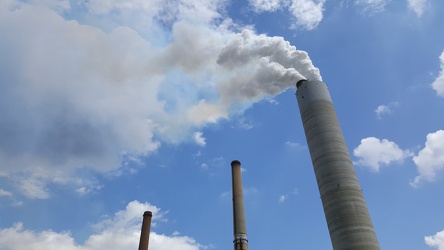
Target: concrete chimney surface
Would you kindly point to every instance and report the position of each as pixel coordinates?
(145, 231)
(239, 226)
(345, 209)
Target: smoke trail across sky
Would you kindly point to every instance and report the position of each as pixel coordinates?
(123, 87)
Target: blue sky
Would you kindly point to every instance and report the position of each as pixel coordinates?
(110, 108)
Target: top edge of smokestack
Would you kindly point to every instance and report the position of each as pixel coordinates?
(300, 82)
(148, 213)
(235, 162)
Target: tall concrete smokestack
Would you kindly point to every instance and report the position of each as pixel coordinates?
(345, 210)
(145, 232)
(240, 232)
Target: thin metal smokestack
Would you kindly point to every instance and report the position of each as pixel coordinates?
(145, 232)
(240, 232)
(345, 210)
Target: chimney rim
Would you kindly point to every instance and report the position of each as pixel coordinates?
(300, 82)
(235, 162)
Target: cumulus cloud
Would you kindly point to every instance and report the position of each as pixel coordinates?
(418, 6)
(435, 241)
(438, 84)
(373, 153)
(385, 109)
(382, 110)
(430, 159)
(308, 13)
(121, 231)
(78, 96)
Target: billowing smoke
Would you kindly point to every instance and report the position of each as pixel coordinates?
(87, 94)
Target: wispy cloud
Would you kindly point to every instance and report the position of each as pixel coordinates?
(294, 145)
(265, 5)
(5, 193)
(372, 7)
(250, 190)
(245, 123)
(418, 6)
(282, 198)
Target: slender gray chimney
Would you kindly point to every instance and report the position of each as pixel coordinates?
(145, 232)
(345, 210)
(240, 232)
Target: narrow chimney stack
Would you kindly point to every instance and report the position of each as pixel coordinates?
(145, 232)
(240, 232)
(345, 209)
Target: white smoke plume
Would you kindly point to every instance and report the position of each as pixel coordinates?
(88, 94)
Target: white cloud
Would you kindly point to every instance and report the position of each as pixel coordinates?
(294, 145)
(5, 193)
(245, 124)
(430, 159)
(418, 6)
(122, 231)
(34, 188)
(438, 84)
(284, 197)
(385, 109)
(373, 153)
(308, 13)
(225, 195)
(250, 191)
(84, 190)
(372, 6)
(271, 100)
(199, 139)
(204, 166)
(104, 93)
(382, 110)
(265, 5)
(435, 241)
